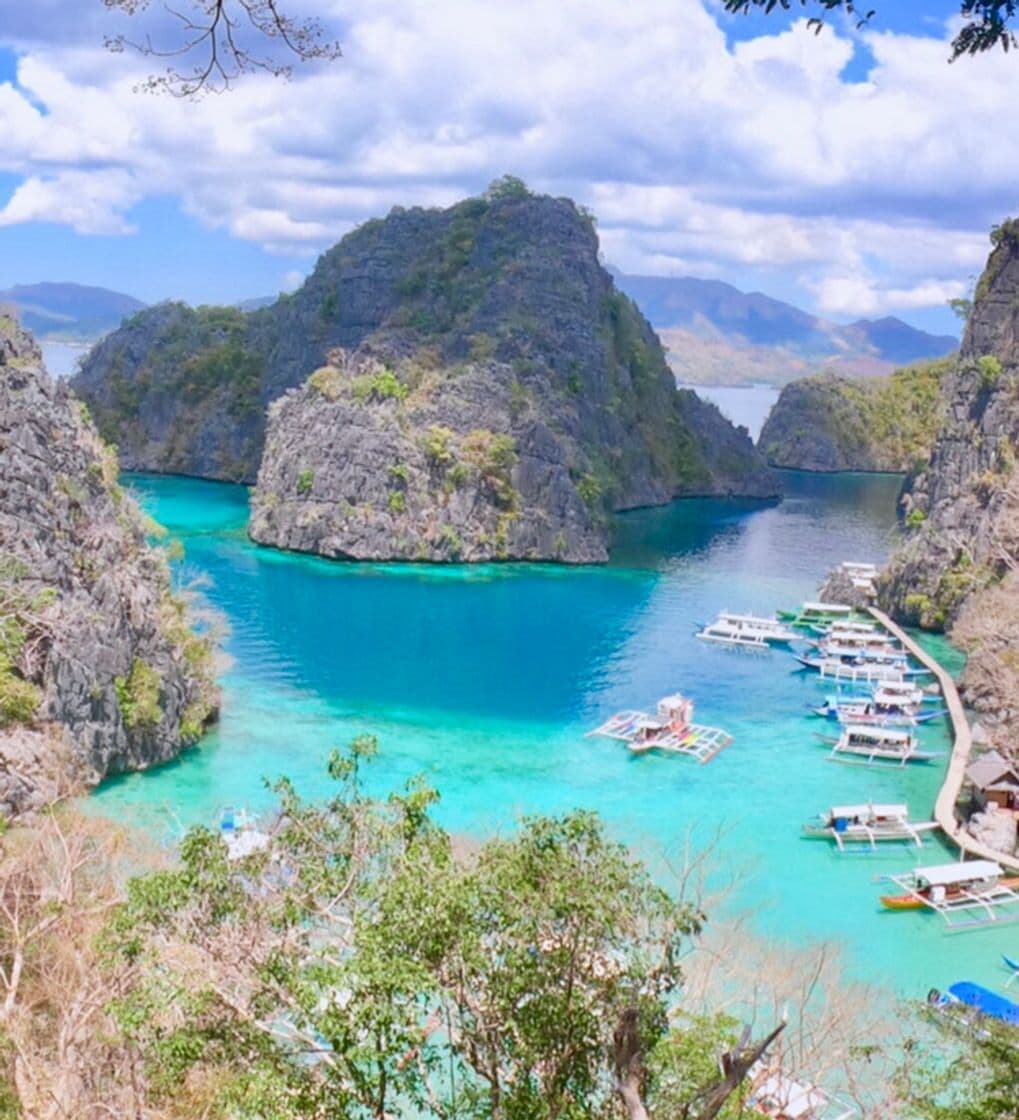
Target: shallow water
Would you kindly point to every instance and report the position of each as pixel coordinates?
(486, 679)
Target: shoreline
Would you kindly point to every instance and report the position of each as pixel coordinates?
(962, 747)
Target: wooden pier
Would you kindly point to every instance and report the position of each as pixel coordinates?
(962, 748)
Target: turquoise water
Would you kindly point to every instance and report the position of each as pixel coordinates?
(486, 678)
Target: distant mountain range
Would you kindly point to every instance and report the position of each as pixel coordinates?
(69, 312)
(718, 335)
(715, 334)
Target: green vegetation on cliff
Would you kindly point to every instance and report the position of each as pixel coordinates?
(828, 423)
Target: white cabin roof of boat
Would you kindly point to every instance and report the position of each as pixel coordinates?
(649, 723)
(884, 734)
(851, 626)
(735, 616)
(945, 874)
(868, 810)
(828, 608)
(898, 686)
(671, 703)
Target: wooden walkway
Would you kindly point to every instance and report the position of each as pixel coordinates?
(944, 807)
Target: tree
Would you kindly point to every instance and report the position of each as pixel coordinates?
(986, 22)
(357, 967)
(227, 37)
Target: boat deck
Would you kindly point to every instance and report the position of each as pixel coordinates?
(995, 905)
(699, 742)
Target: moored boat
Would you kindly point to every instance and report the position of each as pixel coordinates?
(877, 746)
(670, 728)
(747, 630)
(240, 833)
(868, 824)
(970, 1005)
(977, 887)
(817, 613)
(860, 669)
(882, 709)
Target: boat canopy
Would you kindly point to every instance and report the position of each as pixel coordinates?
(756, 619)
(986, 1001)
(851, 626)
(868, 810)
(878, 734)
(947, 874)
(827, 608)
(898, 686)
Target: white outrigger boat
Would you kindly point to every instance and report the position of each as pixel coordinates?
(876, 745)
(974, 887)
(671, 729)
(867, 824)
(844, 644)
(857, 668)
(747, 630)
(883, 708)
(778, 1096)
(240, 833)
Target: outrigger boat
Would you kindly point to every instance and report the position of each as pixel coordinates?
(867, 824)
(967, 1005)
(876, 746)
(883, 709)
(240, 833)
(671, 729)
(747, 630)
(861, 668)
(859, 645)
(817, 613)
(958, 888)
(844, 626)
(778, 1096)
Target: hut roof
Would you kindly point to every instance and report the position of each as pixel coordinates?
(991, 769)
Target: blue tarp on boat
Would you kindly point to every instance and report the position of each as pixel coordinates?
(986, 1002)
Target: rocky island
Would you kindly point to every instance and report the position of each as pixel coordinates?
(100, 671)
(832, 423)
(459, 384)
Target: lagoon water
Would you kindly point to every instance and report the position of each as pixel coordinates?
(485, 679)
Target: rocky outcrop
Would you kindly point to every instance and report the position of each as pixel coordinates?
(957, 566)
(828, 423)
(493, 316)
(99, 671)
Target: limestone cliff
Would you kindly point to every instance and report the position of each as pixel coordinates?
(829, 423)
(99, 670)
(493, 316)
(957, 566)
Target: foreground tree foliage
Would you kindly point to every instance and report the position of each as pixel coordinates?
(361, 966)
(220, 40)
(986, 23)
(356, 968)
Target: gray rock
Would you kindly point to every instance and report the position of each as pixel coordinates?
(88, 615)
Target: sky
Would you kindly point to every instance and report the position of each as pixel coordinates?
(854, 172)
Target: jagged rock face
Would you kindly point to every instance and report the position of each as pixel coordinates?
(828, 423)
(510, 284)
(95, 655)
(424, 478)
(956, 567)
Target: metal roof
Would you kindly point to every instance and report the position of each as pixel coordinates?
(989, 769)
(945, 874)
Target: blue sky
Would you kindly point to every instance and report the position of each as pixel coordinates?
(854, 173)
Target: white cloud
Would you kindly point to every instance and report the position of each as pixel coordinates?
(752, 161)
